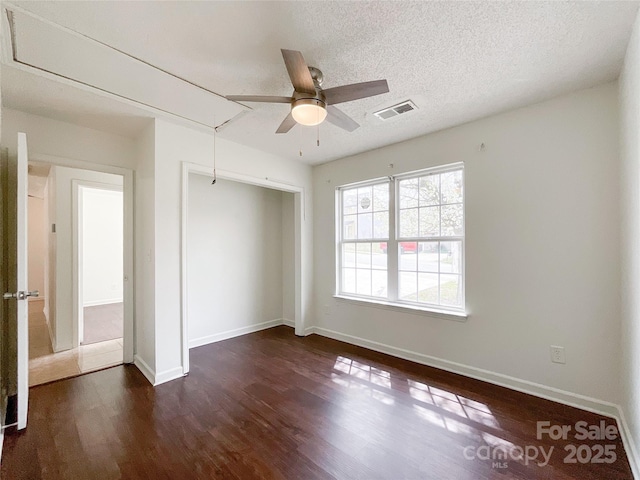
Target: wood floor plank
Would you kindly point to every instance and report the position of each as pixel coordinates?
(275, 406)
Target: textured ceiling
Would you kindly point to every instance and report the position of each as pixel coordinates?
(456, 60)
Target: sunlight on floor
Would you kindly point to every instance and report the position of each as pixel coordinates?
(453, 403)
(369, 379)
(436, 406)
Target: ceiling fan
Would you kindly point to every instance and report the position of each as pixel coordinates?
(310, 104)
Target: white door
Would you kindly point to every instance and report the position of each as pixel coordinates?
(18, 177)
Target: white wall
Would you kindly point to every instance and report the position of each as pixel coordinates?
(37, 246)
(52, 137)
(102, 246)
(234, 258)
(630, 203)
(145, 333)
(64, 276)
(175, 144)
(542, 264)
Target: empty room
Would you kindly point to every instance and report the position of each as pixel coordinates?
(341, 240)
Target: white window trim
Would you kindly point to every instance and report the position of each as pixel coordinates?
(412, 308)
(453, 313)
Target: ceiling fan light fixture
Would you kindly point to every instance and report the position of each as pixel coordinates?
(309, 111)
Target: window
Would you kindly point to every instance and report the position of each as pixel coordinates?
(365, 229)
(401, 240)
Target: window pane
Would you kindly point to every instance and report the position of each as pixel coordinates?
(378, 257)
(428, 257)
(365, 200)
(409, 223)
(450, 291)
(408, 286)
(379, 283)
(407, 259)
(451, 257)
(451, 185)
(408, 194)
(349, 255)
(349, 201)
(381, 225)
(451, 220)
(430, 222)
(364, 255)
(430, 266)
(429, 190)
(350, 223)
(428, 287)
(365, 225)
(363, 282)
(349, 280)
(381, 197)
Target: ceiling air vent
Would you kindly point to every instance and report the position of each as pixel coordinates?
(394, 111)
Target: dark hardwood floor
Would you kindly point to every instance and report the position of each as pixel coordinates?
(271, 405)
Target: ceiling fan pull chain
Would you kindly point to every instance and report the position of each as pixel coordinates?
(300, 139)
(213, 182)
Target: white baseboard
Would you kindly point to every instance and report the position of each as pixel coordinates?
(289, 323)
(197, 342)
(156, 379)
(168, 375)
(633, 454)
(582, 402)
(52, 337)
(146, 370)
(57, 348)
(524, 386)
(108, 301)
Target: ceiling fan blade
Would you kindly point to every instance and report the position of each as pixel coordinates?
(258, 98)
(298, 71)
(287, 124)
(355, 91)
(341, 119)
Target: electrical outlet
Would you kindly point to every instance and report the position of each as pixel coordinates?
(326, 309)
(557, 354)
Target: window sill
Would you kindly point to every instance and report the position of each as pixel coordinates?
(400, 307)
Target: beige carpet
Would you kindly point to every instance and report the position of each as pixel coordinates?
(103, 322)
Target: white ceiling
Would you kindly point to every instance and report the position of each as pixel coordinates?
(456, 60)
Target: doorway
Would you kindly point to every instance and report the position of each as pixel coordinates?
(292, 204)
(76, 259)
(100, 248)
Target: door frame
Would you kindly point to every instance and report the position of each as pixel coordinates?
(77, 250)
(299, 212)
(128, 231)
(22, 228)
